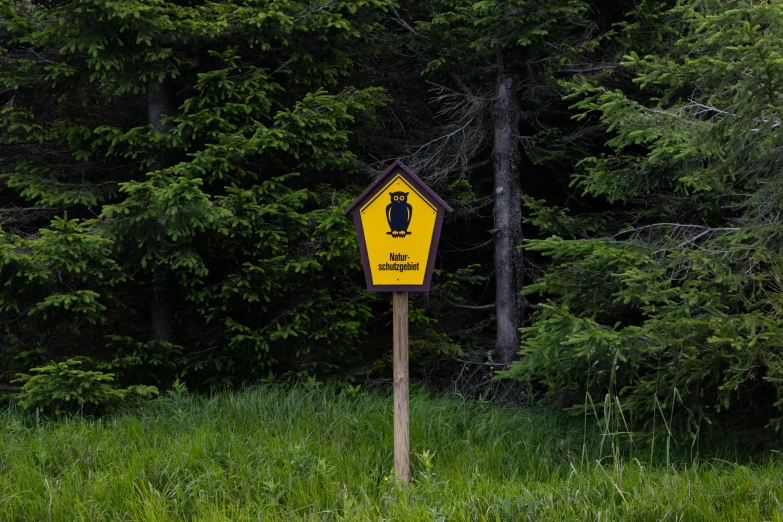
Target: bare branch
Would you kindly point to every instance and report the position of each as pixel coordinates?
(573, 69)
(406, 25)
(471, 307)
(479, 363)
(662, 234)
(460, 140)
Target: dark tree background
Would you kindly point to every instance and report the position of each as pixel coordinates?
(173, 174)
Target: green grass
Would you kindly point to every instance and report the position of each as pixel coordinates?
(280, 453)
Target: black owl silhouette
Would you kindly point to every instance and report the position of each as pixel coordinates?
(399, 214)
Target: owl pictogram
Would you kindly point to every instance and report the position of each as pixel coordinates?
(399, 213)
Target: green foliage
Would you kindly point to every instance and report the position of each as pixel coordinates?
(63, 270)
(210, 146)
(676, 308)
(185, 165)
(470, 30)
(557, 221)
(65, 387)
(151, 362)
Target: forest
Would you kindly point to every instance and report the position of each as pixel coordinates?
(186, 330)
(173, 176)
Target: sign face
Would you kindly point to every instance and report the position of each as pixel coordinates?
(398, 221)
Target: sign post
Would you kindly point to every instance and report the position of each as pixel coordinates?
(398, 219)
(402, 466)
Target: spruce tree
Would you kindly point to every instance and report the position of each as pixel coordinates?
(677, 309)
(199, 149)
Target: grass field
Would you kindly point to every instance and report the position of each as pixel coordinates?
(282, 453)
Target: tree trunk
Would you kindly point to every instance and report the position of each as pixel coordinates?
(160, 305)
(158, 104)
(160, 310)
(509, 263)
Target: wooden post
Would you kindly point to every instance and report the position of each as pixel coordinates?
(402, 467)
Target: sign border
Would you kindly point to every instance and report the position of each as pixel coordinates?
(398, 167)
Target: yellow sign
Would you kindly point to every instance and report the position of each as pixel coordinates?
(398, 224)
(398, 219)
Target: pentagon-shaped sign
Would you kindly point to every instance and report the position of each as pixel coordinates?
(398, 221)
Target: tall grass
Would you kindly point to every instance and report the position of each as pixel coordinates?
(279, 453)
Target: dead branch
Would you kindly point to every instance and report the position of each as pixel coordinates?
(474, 307)
(460, 140)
